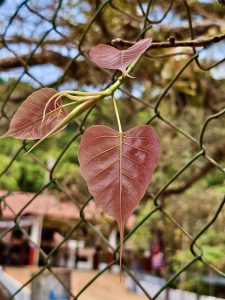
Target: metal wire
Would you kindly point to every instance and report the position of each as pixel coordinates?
(201, 153)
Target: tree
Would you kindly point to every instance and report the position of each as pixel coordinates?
(62, 37)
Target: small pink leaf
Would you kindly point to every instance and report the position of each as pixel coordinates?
(118, 168)
(108, 57)
(27, 122)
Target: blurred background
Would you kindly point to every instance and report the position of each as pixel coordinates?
(53, 238)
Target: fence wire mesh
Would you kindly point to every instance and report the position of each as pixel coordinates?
(156, 116)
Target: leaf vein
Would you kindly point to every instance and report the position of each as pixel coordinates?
(103, 170)
(137, 148)
(102, 136)
(133, 178)
(128, 193)
(99, 154)
(137, 162)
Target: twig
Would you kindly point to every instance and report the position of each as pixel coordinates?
(172, 43)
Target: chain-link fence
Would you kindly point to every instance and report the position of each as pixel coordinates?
(156, 116)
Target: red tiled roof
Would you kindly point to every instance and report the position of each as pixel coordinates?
(45, 205)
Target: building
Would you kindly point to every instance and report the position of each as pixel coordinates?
(44, 220)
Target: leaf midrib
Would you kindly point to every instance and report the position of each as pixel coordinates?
(120, 174)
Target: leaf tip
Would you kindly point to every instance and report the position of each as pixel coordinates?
(121, 228)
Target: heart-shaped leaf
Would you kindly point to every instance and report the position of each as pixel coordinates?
(28, 122)
(118, 168)
(108, 57)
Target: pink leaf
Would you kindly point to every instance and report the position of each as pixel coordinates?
(108, 57)
(27, 122)
(118, 168)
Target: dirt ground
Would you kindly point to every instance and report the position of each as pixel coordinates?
(106, 287)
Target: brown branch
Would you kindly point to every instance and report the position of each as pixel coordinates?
(75, 69)
(173, 43)
(218, 156)
(44, 57)
(21, 39)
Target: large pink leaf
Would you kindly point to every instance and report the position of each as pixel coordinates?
(118, 168)
(108, 57)
(28, 123)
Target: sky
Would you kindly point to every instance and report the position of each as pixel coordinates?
(28, 29)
